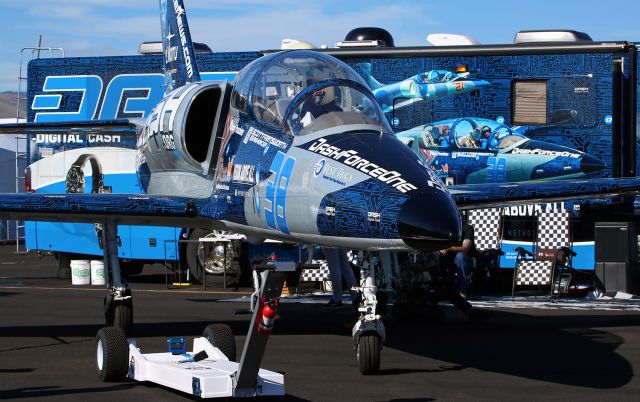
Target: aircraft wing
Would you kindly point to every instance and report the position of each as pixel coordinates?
(474, 196)
(128, 209)
(121, 126)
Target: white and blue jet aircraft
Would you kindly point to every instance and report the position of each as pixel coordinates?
(296, 149)
(425, 86)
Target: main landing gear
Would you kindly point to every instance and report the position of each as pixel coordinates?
(118, 302)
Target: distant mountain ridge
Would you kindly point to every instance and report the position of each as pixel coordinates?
(8, 104)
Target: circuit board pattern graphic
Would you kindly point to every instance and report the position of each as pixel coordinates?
(108, 67)
(369, 195)
(468, 195)
(580, 82)
(108, 205)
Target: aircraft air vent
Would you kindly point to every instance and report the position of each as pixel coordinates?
(552, 35)
(367, 37)
(199, 121)
(156, 48)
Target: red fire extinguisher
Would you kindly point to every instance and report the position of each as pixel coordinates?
(268, 316)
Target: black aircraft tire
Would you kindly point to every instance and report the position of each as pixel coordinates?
(221, 336)
(368, 353)
(123, 316)
(112, 354)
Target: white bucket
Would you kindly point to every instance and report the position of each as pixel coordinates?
(97, 272)
(80, 272)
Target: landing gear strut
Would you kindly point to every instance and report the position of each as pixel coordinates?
(368, 332)
(118, 302)
(118, 310)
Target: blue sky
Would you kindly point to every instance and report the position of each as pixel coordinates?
(110, 27)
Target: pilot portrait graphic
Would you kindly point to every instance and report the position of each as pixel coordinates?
(475, 150)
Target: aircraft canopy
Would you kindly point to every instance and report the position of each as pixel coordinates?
(301, 83)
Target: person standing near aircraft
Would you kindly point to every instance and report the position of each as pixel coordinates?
(461, 255)
(416, 297)
(339, 267)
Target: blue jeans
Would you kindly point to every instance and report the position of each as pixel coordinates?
(464, 263)
(338, 267)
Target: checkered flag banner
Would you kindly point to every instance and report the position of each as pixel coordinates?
(486, 226)
(353, 257)
(534, 273)
(553, 230)
(318, 270)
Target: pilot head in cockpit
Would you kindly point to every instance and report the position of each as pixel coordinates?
(318, 103)
(485, 134)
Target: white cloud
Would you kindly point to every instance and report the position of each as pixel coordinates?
(311, 24)
(108, 3)
(100, 27)
(74, 13)
(109, 29)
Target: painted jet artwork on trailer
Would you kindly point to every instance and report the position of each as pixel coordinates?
(472, 150)
(425, 86)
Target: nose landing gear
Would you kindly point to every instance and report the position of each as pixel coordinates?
(369, 332)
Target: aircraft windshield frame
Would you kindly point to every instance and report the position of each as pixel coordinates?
(266, 87)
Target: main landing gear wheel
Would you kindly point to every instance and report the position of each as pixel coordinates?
(221, 336)
(123, 316)
(368, 353)
(120, 315)
(214, 258)
(112, 354)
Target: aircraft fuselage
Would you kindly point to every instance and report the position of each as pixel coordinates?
(341, 178)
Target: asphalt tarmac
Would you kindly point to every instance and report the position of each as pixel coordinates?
(522, 352)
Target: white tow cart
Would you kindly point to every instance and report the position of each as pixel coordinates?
(212, 377)
(209, 370)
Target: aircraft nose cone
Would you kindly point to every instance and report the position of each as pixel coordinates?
(429, 222)
(589, 164)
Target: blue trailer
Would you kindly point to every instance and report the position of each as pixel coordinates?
(579, 96)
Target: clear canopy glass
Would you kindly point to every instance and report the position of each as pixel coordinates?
(305, 83)
(471, 133)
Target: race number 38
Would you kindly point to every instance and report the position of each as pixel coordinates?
(275, 205)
